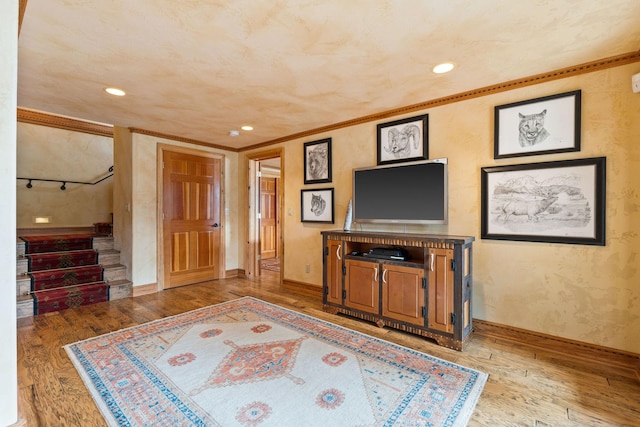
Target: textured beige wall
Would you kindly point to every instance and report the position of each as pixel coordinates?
(51, 153)
(122, 191)
(585, 293)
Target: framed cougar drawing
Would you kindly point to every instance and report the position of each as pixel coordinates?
(546, 125)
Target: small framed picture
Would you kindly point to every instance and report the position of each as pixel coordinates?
(317, 205)
(554, 202)
(317, 161)
(403, 140)
(546, 125)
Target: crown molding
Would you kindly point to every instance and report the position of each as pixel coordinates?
(61, 122)
(587, 67)
(181, 139)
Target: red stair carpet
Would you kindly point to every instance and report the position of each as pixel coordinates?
(53, 260)
(65, 242)
(64, 272)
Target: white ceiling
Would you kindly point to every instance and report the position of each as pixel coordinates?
(200, 68)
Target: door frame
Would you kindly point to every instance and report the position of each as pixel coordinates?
(251, 262)
(161, 149)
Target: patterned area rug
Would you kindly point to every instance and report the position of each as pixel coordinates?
(250, 363)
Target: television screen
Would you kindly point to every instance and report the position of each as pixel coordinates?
(412, 193)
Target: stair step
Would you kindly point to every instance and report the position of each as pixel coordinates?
(118, 289)
(108, 257)
(22, 265)
(102, 243)
(24, 306)
(105, 257)
(114, 272)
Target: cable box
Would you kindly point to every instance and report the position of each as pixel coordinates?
(387, 253)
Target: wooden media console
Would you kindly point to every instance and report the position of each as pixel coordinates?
(426, 291)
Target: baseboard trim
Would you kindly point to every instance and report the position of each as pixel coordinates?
(309, 286)
(238, 272)
(578, 349)
(151, 288)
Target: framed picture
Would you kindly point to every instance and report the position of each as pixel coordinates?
(317, 205)
(546, 125)
(556, 202)
(403, 140)
(317, 161)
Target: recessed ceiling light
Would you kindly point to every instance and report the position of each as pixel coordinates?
(115, 91)
(234, 133)
(445, 67)
(247, 127)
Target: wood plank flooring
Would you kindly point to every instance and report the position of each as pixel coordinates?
(526, 386)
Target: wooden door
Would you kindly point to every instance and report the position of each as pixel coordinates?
(362, 285)
(268, 218)
(440, 290)
(402, 293)
(334, 271)
(192, 226)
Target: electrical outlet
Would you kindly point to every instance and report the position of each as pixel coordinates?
(307, 269)
(635, 83)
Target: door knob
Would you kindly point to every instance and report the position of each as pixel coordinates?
(215, 225)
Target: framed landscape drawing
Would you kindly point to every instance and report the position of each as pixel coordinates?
(403, 140)
(546, 125)
(317, 161)
(556, 202)
(317, 205)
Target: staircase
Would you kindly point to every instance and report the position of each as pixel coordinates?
(108, 258)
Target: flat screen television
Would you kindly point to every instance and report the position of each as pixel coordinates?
(405, 193)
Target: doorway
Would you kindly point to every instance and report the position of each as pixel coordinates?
(192, 212)
(264, 254)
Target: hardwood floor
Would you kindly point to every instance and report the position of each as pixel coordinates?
(526, 386)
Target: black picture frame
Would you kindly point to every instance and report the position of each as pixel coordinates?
(553, 202)
(317, 205)
(317, 161)
(403, 140)
(546, 125)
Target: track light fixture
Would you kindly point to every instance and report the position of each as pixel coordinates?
(29, 185)
(63, 186)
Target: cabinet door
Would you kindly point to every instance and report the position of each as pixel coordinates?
(402, 293)
(334, 272)
(361, 285)
(440, 290)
